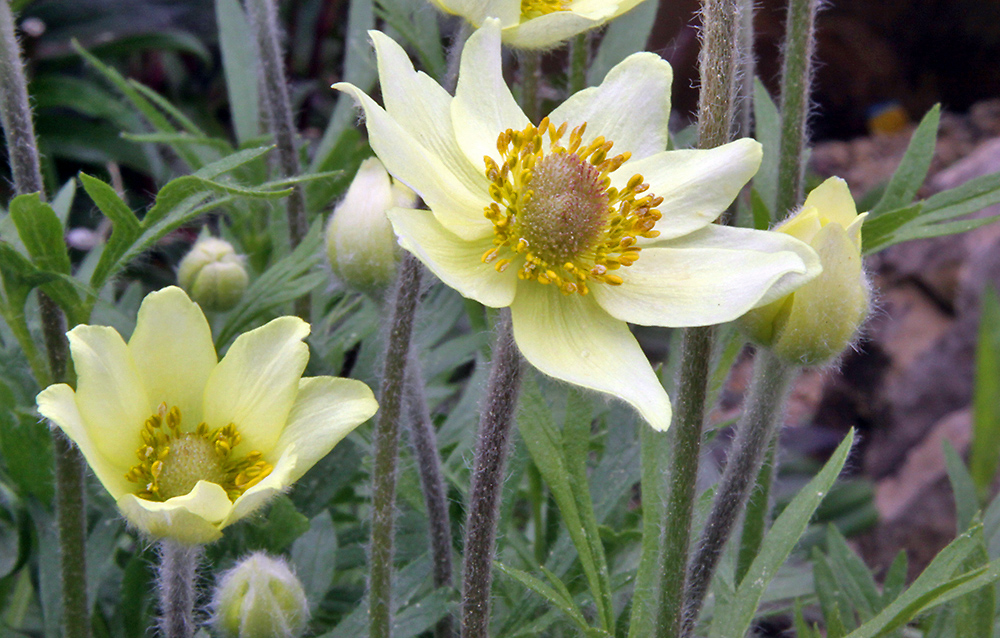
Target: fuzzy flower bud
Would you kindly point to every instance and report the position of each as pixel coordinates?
(814, 324)
(360, 242)
(260, 598)
(213, 274)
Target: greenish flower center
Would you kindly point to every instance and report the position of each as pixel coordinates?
(171, 461)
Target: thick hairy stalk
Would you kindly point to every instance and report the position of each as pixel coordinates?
(487, 481)
(19, 133)
(175, 581)
(754, 432)
(401, 313)
(531, 71)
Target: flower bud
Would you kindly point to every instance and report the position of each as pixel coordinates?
(259, 598)
(213, 274)
(360, 242)
(814, 324)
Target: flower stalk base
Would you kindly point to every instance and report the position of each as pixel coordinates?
(176, 584)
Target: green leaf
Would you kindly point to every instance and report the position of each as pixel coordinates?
(419, 28)
(767, 131)
(558, 597)
(912, 170)
(876, 233)
(966, 499)
(833, 601)
(20, 276)
(852, 574)
(974, 612)
(777, 545)
(279, 528)
(41, 231)
(761, 213)
(314, 557)
(984, 455)
(26, 450)
(239, 62)
(627, 34)
(895, 578)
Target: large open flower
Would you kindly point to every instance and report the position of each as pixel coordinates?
(188, 444)
(538, 24)
(575, 239)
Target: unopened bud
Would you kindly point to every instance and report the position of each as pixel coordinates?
(814, 324)
(213, 274)
(260, 598)
(360, 242)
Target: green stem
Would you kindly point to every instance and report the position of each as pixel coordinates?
(492, 450)
(15, 116)
(796, 78)
(754, 431)
(579, 52)
(747, 62)
(717, 66)
(531, 69)
(678, 514)
(264, 21)
(175, 580)
(401, 314)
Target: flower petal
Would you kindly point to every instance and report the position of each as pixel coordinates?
(173, 352)
(192, 519)
(708, 277)
(573, 339)
(57, 403)
(483, 106)
(109, 393)
(696, 185)
(477, 11)
(551, 29)
(833, 199)
(444, 193)
(631, 107)
(427, 119)
(456, 262)
(255, 384)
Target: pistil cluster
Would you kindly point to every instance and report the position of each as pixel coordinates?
(171, 462)
(557, 210)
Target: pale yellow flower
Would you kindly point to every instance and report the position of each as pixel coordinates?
(188, 444)
(538, 24)
(575, 240)
(818, 321)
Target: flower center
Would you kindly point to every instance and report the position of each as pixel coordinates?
(557, 213)
(171, 462)
(534, 8)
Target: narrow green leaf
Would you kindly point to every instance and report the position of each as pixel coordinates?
(314, 557)
(627, 34)
(974, 612)
(558, 598)
(777, 545)
(985, 447)
(912, 170)
(760, 210)
(767, 131)
(239, 63)
(853, 575)
(20, 276)
(895, 578)
(964, 489)
(164, 105)
(833, 601)
(877, 233)
(109, 203)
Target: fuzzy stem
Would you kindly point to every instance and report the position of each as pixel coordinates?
(454, 61)
(678, 514)
(19, 133)
(176, 584)
(579, 52)
(755, 521)
(717, 65)
(492, 449)
(796, 78)
(747, 70)
(771, 380)
(531, 69)
(423, 440)
(264, 22)
(401, 314)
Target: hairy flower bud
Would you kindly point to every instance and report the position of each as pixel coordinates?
(260, 598)
(360, 242)
(213, 274)
(814, 324)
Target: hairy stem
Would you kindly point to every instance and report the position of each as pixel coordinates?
(401, 314)
(264, 21)
(492, 449)
(756, 519)
(19, 133)
(423, 440)
(796, 79)
(531, 70)
(579, 54)
(175, 580)
(754, 432)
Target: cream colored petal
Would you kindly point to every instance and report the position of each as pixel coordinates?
(255, 384)
(631, 107)
(455, 261)
(258, 496)
(444, 193)
(696, 185)
(602, 8)
(483, 106)
(552, 29)
(476, 11)
(109, 391)
(573, 339)
(803, 225)
(173, 351)
(192, 519)
(854, 230)
(709, 277)
(57, 403)
(833, 200)
(419, 105)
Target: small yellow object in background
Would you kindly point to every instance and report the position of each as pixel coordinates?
(887, 118)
